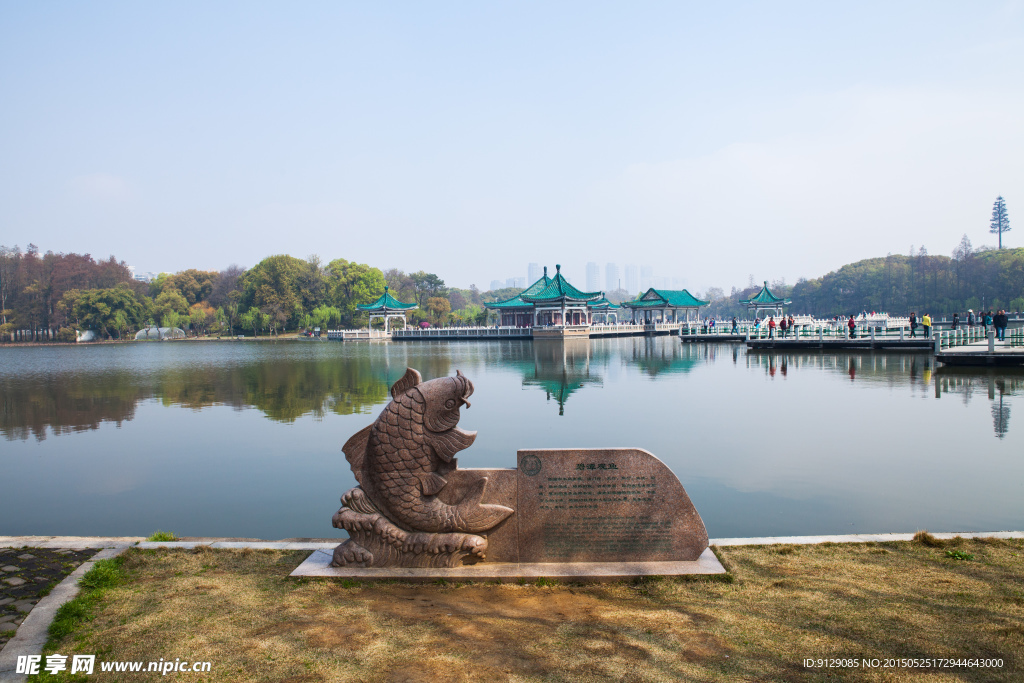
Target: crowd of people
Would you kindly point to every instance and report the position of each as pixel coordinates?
(996, 321)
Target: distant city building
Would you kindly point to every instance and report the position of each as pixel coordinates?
(679, 283)
(593, 276)
(663, 282)
(141, 277)
(646, 277)
(611, 277)
(497, 284)
(632, 280)
(533, 272)
(521, 282)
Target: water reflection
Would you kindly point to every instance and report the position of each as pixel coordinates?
(561, 368)
(286, 382)
(283, 391)
(996, 385)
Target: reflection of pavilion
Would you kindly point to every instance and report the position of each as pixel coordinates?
(561, 368)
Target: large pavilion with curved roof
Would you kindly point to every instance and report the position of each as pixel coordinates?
(552, 301)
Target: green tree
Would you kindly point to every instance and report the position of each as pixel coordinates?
(167, 302)
(352, 284)
(103, 310)
(427, 285)
(272, 285)
(1000, 222)
(440, 307)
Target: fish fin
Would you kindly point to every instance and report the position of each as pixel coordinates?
(431, 483)
(355, 451)
(410, 379)
(446, 444)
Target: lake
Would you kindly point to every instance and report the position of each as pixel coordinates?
(243, 439)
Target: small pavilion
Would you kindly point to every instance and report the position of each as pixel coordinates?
(550, 301)
(387, 307)
(765, 301)
(665, 305)
(603, 311)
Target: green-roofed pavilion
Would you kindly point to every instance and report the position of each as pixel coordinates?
(386, 308)
(550, 301)
(766, 301)
(664, 305)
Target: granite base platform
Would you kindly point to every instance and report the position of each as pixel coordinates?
(319, 565)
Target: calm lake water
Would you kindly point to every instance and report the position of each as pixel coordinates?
(244, 438)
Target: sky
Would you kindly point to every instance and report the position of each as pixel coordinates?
(712, 141)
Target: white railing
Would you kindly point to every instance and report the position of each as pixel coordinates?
(463, 332)
(355, 335)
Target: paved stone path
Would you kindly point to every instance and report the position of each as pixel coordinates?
(26, 575)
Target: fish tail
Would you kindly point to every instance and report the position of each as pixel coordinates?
(472, 516)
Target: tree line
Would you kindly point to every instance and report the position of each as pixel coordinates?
(50, 296)
(978, 279)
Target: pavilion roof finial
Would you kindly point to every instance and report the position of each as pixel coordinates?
(545, 271)
(558, 267)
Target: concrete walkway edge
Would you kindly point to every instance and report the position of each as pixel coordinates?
(121, 542)
(33, 632)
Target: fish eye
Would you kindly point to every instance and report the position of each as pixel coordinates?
(449, 404)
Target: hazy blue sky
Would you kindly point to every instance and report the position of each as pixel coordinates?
(709, 140)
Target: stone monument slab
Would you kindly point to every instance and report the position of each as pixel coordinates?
(603, 505)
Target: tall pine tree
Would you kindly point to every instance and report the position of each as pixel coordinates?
(1000, 221)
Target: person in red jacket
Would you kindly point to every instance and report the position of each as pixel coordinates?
(771, 327)
(852, 324)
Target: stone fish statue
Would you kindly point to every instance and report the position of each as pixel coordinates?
(395, 517)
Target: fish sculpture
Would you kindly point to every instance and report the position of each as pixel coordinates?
(401, 461)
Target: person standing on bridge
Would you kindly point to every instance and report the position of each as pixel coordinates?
(956, 320)
(735, 327)
(783, 326)
(792, 325)
(987, 319)
(926, 323)
(1000, 321)
(913, 324)
(771, 327)
(852, 324)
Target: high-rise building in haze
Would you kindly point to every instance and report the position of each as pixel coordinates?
(663, 282)
(497, 284)
(533, 272)
(632, 279)
(611, 277)
(593, 277)
(646, 278)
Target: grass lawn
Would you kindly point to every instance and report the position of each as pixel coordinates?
(784, 604)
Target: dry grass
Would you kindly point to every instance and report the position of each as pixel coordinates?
(239, 610)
